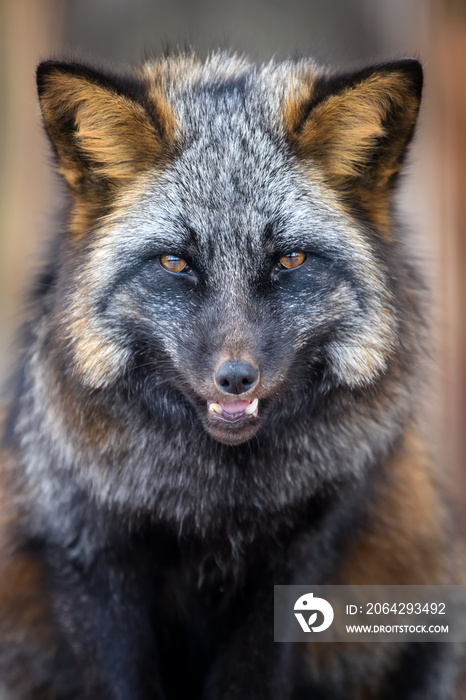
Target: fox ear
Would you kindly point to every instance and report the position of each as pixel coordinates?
(101, 133)
(357, 127)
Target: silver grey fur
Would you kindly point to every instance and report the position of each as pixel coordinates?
(235, 173)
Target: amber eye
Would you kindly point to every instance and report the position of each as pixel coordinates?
(173, 263)
(291, 260)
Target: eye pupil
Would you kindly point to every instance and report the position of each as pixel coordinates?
(173, 263)
(291, 260)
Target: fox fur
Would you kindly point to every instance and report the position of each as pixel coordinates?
(142, 524)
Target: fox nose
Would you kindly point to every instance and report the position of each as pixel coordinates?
(236, 377)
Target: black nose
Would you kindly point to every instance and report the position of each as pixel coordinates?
(236, 377)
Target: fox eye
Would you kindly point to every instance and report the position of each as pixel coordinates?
(173, 263)
(291, 260)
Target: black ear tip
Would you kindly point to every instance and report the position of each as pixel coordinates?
(43, 71)
(413, 69)
(51, 68)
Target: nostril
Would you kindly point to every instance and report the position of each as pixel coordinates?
(236, 377)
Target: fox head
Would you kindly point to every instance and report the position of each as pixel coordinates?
(231, 244)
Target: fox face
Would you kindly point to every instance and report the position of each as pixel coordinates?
(228, 232)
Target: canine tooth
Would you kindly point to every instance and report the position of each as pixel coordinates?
(215, 408)
(252, 407)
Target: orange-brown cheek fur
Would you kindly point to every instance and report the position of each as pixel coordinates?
(345, 132)
(98, 358)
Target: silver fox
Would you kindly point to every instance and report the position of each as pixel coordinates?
(217, 388)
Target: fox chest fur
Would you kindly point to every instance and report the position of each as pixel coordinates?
(217, 386)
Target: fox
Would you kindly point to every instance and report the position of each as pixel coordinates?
(218, 387)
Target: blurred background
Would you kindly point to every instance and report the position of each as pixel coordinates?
(338, 32)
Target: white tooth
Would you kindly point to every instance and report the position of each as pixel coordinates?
(215, 408)
(252, 407)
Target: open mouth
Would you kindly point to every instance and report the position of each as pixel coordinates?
(232, 421)
(234, 411)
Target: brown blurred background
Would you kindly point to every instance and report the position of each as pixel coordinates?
(339, 32)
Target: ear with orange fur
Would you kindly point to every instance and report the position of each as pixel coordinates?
(357, 127)
(101, 132)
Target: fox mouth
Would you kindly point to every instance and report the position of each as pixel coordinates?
(233, 411)
(232, 422)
